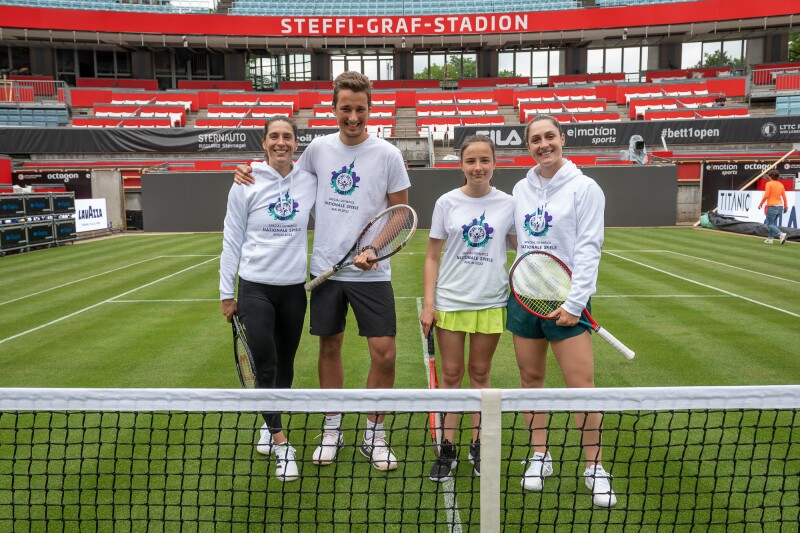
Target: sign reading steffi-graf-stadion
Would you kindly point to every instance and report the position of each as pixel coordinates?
(673, 132)
(91, 215)
(743, 205)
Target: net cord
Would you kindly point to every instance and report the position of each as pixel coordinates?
(399, 400)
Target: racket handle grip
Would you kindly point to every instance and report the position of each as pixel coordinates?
(431, 348)
(314, 283)
(613, 341)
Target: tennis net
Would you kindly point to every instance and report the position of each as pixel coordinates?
(186, 460)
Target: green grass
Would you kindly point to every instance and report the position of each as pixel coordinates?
(700, 308)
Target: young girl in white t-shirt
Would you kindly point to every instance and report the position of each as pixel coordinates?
(466, 288)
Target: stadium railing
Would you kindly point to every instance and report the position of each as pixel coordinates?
(712, 458)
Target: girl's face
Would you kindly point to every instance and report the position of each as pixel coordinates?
(280, 143)
(477, 163)
(545, 144)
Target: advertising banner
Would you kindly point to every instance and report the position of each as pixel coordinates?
(90, 214)
(138, 140)
(674, 132)
(76, 181)
(743, 205)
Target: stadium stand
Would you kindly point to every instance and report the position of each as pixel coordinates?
(39, 116)
(787, 105)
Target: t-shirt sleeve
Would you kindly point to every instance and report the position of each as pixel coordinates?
(397, 173)
(438, 231)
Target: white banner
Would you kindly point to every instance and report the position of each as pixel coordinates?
(744, 206)
(90, 214)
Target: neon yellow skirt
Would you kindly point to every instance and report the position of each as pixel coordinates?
(487, 321)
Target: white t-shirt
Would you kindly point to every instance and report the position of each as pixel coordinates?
(352, 187)
(472, 274)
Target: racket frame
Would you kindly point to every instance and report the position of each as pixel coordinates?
(240, 339)
(585, 319)
(435, 420)
(353, 251)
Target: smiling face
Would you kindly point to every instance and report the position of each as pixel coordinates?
(351, 110)
(477, 164)
(279, 144)
(545, 143)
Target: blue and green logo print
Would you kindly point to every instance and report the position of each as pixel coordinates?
(345, 181)
(478, 233)
(538, 223)
(284, 209)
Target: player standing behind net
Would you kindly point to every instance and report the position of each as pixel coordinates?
(560, 210)
(266, 241)
(359, 175)
(468, 293)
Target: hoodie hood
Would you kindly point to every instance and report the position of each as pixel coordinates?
(565, 174)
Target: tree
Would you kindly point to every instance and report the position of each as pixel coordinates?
(720, 58)
(457, 67)
(506, 74)
(794, 46)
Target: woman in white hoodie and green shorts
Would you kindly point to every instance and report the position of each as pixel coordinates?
(559, 210)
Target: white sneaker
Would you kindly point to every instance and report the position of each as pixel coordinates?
(265, 446)
(782, 237)
(285, 465)
(767, 241)
(326, 452)
(379, 453)
(598, 481)
(539, 467)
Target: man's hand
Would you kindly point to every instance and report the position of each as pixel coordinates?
(362, 260)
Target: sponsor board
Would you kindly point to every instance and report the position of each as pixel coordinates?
(91, 214)
(743, 205)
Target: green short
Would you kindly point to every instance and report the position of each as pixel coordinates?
(487, 321)
(521, 322)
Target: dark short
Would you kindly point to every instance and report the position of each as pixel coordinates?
(525, 324)
(372, 303)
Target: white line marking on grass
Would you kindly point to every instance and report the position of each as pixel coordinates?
(760, 274)
(706, 285)
(449, 488)
(57, 320)
(190, 300)
(661, 296)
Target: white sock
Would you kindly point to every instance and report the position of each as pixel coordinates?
(333, 422)
(374, 429)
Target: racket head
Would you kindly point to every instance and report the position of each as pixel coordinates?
(435, 420)
(540, 282)
(388, 232)
(245, 365)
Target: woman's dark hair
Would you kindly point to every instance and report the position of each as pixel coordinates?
(474, 139)
(279, 118)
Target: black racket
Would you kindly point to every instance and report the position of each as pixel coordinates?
(385, 235)
(245, 365)
(435, 419)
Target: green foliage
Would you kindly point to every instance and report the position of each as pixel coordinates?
(720, 58)
(456, 68)
(794, 46)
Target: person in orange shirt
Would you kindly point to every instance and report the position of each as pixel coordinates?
(775, 198)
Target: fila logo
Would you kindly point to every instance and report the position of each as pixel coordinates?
(512, 139)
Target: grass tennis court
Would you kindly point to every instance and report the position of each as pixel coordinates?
(698, 307)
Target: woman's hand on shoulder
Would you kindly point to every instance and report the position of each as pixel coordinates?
(242, 175)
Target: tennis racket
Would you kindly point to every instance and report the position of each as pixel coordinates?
(385, 235)
(435, 423)
(540, 282)
(245, 365)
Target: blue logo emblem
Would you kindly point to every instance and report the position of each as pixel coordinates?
(284, 209)
(538, 223)
(478, 233)
(345, 181)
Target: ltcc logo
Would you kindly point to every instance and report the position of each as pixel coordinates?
(769, 129)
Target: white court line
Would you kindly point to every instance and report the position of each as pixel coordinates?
(97, 275)
(449, 487)
(726, 265)
(704, 296)
(705, 285)
(189, 300)
(57, 320)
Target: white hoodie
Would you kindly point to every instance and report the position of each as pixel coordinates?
(566, 218)
(265, 237)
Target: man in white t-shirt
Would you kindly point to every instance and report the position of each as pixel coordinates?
(358, 175)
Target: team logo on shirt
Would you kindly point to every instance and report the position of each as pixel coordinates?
(284, 209)
(477, 233)
(538, 223)
(345, 181)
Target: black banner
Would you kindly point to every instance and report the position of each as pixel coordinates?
(78, 182)
(674, 132)
(140, 140)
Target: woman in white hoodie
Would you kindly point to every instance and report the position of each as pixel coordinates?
(559, 210)
(265, 241)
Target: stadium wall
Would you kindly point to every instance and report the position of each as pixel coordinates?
(196, 201)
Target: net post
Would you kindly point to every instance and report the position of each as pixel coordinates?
(491, 432)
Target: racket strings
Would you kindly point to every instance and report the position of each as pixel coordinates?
(389, 233)
(541, 283)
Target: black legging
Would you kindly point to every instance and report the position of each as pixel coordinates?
(273, 317)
